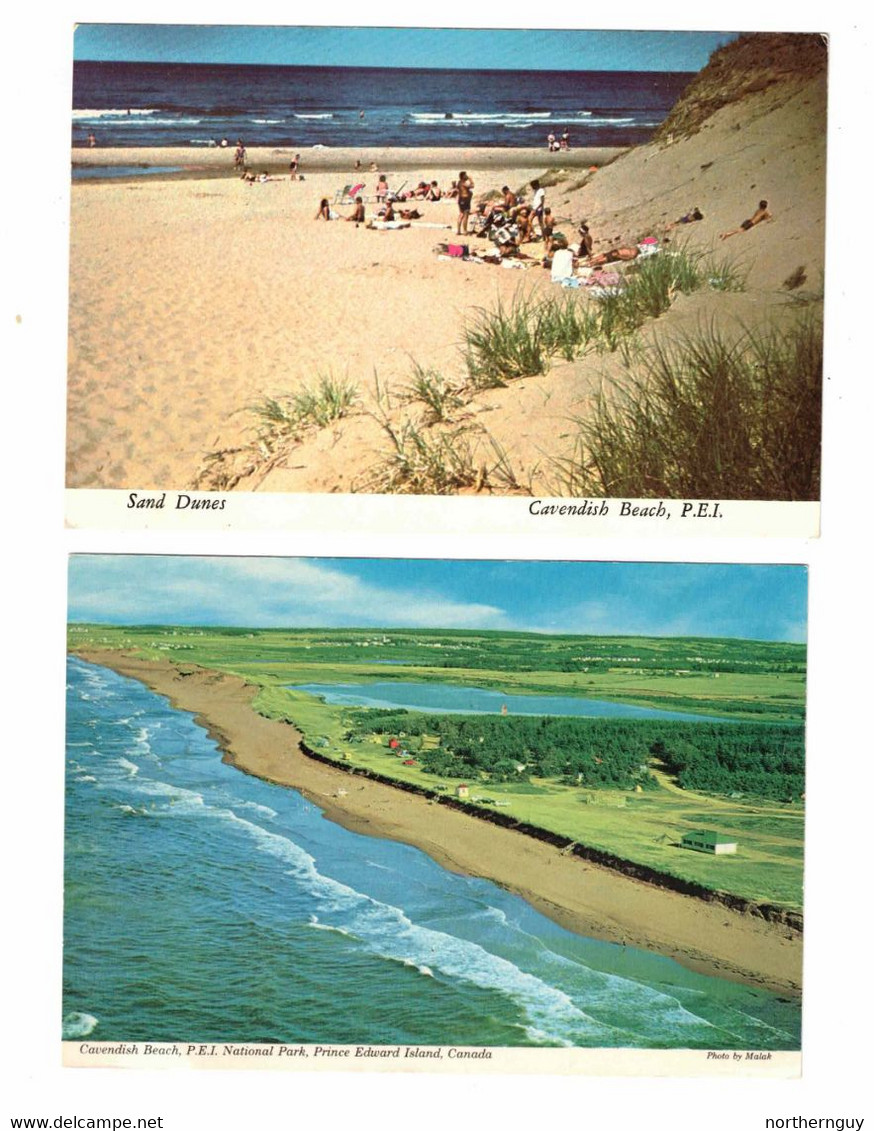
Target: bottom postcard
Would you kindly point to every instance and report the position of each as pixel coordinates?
(447, 816)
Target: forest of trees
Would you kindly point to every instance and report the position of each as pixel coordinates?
(767, 761)
(750, 758)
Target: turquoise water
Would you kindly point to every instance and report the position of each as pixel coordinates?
(202, 904)
(448, 698)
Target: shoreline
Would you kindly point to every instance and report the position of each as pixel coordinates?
(212, 160)
(607, 905)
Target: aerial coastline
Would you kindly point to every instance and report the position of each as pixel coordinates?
(611, 906)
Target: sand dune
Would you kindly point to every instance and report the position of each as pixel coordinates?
(193, 299)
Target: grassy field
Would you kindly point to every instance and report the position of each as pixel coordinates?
(644, 827)
(743, 679)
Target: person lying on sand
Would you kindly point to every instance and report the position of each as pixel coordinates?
(691, 216)
(410, 214)
(615, 255)
(357, 215)
(324, 212)
(760, 215)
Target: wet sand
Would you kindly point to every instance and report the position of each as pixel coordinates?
(581, 896)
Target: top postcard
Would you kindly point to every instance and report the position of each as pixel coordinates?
(569, 276)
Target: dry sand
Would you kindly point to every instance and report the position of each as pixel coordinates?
(583, 897)
(192, 299)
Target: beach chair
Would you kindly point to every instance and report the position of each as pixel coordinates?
(347, 194)
(394, 195)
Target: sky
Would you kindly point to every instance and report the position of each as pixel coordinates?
(657, 599)
(400, 47)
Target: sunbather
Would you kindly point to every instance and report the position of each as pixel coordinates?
(324, 212)
(760, 215)
(614, 255)
(690, 218)
(357, 215)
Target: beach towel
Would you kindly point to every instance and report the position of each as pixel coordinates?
(562, 265)
(389, 225)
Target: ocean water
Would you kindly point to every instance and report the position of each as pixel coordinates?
(151, 104)
(451, 698)
(202, 904)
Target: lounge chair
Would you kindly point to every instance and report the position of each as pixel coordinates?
(347, 194)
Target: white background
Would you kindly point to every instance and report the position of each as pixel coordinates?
(837, 1001)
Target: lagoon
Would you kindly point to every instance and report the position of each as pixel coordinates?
(447, 698)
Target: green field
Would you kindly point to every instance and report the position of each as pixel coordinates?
(746, 680)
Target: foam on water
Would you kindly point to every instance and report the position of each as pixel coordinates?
(77, 1025)
(388, 931)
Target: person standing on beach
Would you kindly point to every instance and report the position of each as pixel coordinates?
(92, 141)
(538, 203)
(465, 198)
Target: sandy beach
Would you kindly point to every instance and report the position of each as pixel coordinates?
(195, 296)
(580, 896)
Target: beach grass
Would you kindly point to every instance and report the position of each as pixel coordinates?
(439, 396)
(707, 415)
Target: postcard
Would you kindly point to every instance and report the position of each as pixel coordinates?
(434, 815)
(574, 277)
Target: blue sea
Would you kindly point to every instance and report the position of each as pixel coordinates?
(184, 104)
(202, 904)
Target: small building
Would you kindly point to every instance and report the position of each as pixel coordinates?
(702, 840)
(462, 791)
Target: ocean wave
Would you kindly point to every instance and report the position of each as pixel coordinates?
(129, 766)
(76, 1025)
(390, 934)
(305, 117)
(132, 113)
(490, 119)
(264, 810)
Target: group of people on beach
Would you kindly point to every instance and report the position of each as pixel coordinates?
(558, 144)
(511, 221)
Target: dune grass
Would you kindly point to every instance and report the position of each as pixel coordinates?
(708, 416)
(440, 398)
(520, 340)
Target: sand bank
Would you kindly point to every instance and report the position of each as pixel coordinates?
(343, 159)
(583, 897)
